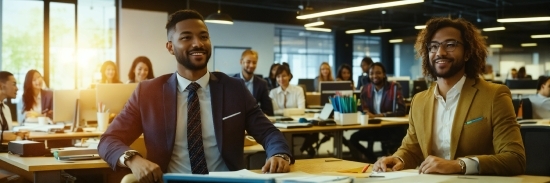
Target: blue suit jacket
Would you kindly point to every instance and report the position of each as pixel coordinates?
(261, 94)
(151, 110)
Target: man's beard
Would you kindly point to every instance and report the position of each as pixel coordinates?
(184, 60)
(455, 68)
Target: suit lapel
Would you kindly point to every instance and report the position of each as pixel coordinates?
(429, 120)
(216, 95)
(464, 102)
(170, 110)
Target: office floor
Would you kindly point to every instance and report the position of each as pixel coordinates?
(326, 148)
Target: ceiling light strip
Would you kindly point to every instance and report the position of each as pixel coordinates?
(528, 44)
(396, 40)
(380, 31)
(359, 8)
(495, 46)
(313, 24)
(540, 36)
(528, 19)
(494, 29)
(420, 27)
(318, 29)
(355, 31)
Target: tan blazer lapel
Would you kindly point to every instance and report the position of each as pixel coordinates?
(428, 122)
(466, 98)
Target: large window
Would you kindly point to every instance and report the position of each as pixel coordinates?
(364, 46)
(303, 50)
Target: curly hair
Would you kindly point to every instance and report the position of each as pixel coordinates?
(475, 50)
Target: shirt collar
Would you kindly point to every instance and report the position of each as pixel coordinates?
(183, 82)
(242, 77)
(280, 89)
(455, 90)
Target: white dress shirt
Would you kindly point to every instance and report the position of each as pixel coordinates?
(444, 114)
(377, 99)
(249, 84)
(180, 162)
(541, 106)
(294, 98)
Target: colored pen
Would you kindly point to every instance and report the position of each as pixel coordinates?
(365, 168)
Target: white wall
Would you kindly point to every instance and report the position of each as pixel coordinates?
(142, 33)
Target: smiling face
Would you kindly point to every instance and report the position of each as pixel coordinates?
(190, 43)
(346, 74)
(141, 71)
(283, 79)
(9, 88)
(377, 75)
(37, 81)
(325, 71)
(110, 72)
(446, 64)
(249, 62)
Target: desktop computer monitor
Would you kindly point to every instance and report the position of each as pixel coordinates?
(329, 88)
(64, 105)
(114, 96)
(404, 81)
(88, 106)
(309, 83)
(522, 84)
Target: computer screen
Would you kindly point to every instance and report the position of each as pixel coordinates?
(88, 105)
(64, 104)
(329, 88)
(521, 84)
(404, 81)
(114, 96)
(309, 83)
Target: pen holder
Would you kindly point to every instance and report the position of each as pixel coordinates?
(363, 118)
(348, 119)
(102, 121)
(336, 116)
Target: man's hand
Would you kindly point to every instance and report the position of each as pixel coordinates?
(388, 162)
(437, 165)
(276, 165)
(144, 170)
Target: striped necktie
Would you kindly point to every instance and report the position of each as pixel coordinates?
(194, 131)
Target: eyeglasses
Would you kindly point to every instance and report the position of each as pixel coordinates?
(449, 46)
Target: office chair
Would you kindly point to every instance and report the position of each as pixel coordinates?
(523, 108)
(536, 139)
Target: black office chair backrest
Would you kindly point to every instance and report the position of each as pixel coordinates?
(522, 84)
(419, 86)
(536, 139)
(526, 108)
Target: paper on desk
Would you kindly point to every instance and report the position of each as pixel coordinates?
(394, 175)
(285, 177)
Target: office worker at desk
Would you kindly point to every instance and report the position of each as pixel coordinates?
(379, 98)
(141, 70)
(256, 85)
(37, 101)
(193, 121)
(363, 79)
(541, 101)
(108, 72)
(325, 74)
(462, 124)
(8, 90)
(286, 95)
(271, 80)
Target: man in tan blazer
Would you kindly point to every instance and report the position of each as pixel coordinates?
(461, 124)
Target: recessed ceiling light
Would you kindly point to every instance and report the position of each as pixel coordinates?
(355, 31)
(396, 40)
(528, 19)
(359, 8)
(494, 29)
(318, 29)
(380, 31)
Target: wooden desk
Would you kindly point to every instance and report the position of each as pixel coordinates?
(44, 169)
(319, 166)
(337, 131)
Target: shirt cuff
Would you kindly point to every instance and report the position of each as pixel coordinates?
(401, 160)
(472, 165)
(121, 161)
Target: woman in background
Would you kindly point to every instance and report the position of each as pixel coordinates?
(286, 95)
(36, 100)
(344, 74)
(108, 73)
(325, 74)
(141, 70)
(271, 80)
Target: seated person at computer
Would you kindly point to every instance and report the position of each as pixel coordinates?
(8, 90)
(344, 74)
(379, 98)
(141, 70)
(37, 101)
(325, 74)
(286, 95)
(193, 120)
(462, 124)
(256, 85)
(108, 73)
(363, 79)
(541, 101)
(522, 74)
(271, 80)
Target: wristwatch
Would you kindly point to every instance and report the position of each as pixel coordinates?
(284, 156)
(462, 166)
(129, 154)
